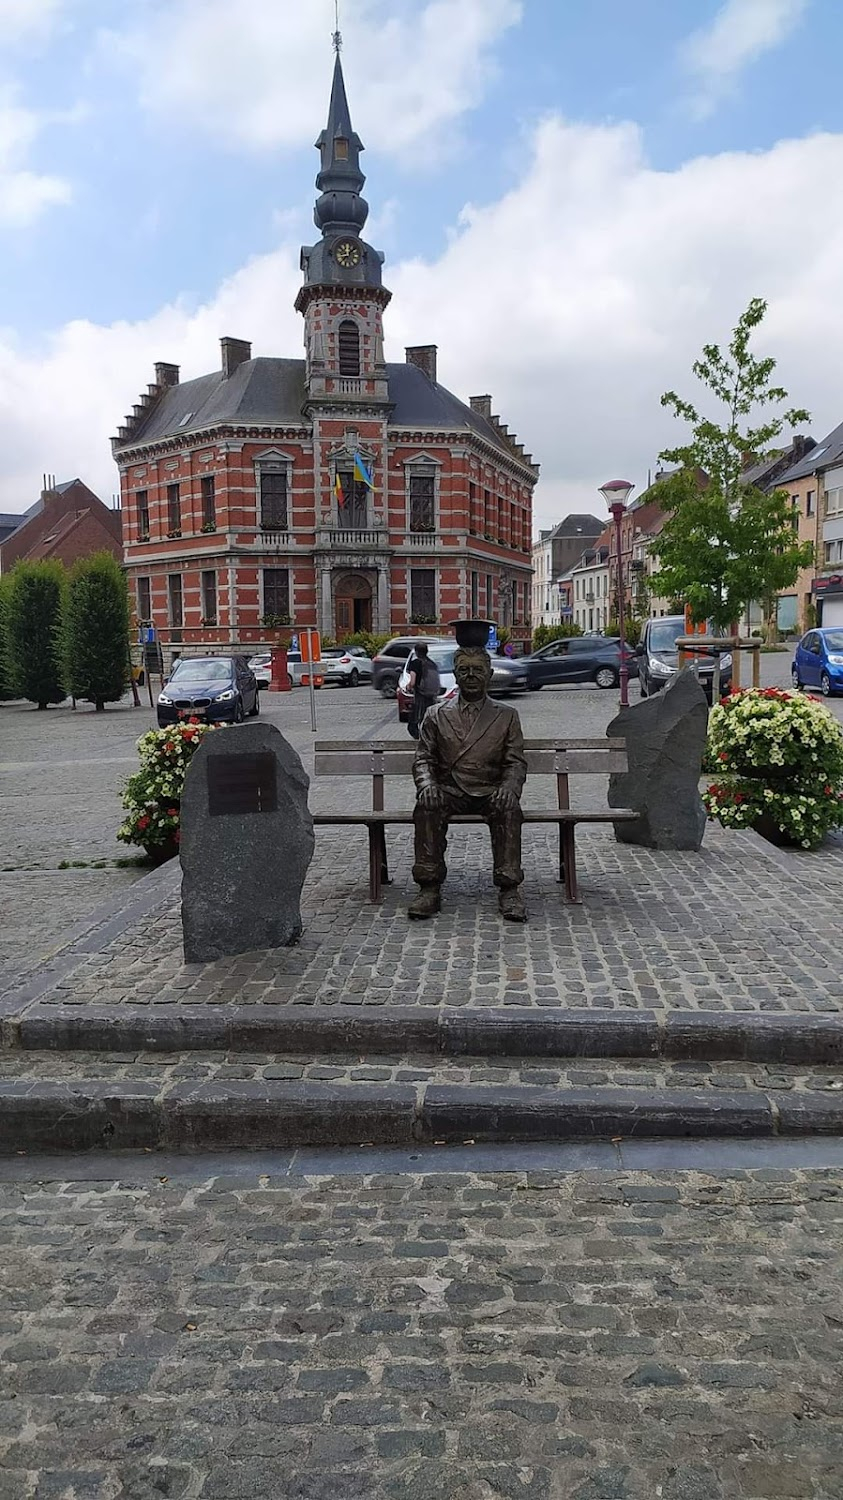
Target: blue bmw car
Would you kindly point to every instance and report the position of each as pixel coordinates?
(818, 662)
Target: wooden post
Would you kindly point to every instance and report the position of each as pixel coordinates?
(756, 666)
(736, 658)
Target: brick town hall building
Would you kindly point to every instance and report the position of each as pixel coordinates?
(232, 521)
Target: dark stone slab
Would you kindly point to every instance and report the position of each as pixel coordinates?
(665, 740)
(717, 1036)
(123, 1029)
(325, 1030)
(253, 1115)
(810, 1114)
(562, 1034)
(535, 1114)
(81, 1117)
(246, 843)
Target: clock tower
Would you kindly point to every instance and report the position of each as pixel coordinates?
(343, 295)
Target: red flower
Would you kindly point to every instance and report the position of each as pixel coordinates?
(829, 791)
(168, 745)
(723, 755)
(143, 822)
(739, 797)
(172, 812)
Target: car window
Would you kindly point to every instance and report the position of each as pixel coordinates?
(663, 634)
(576, 645)
(444, 660)
(402, 651)
(215, 670)
(812, 643)
(833, 640)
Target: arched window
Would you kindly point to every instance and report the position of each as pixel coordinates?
(349, 345)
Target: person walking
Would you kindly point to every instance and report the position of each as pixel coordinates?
(424, 685)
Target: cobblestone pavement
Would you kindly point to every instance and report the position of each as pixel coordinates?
(527, 1335)
(728, 929)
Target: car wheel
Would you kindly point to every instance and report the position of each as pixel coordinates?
(389, 687)
(797, 684)
(825, 685)
(534, 687)
(606, 677)
(354, 678)
(239, 715)
(257, 708)
(643, 688)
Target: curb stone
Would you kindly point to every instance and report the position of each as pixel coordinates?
(676, 1036)
(90, 1115)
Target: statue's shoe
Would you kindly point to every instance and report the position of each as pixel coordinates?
(511, 905)
(427, 903)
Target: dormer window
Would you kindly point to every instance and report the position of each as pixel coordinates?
(349, 348)
(341, 148)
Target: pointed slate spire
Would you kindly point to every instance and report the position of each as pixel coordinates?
(340, 179)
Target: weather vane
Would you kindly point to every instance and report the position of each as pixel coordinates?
(337, 37)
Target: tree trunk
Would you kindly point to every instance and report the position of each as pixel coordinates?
(100, 706)
(41, 706)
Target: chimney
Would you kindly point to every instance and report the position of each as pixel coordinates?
(482, 405)
(802, 445)
(423, 356)
(166, 374)
(235, 352)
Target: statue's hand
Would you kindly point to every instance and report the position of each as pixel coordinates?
(430, 797)
(504, 799)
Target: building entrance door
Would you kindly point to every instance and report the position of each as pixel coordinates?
(353, 611)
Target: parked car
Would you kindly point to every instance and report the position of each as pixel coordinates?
(658, 658)
(299, 669)
(261, 665)
(579, 658)
(818, 661)
(443, 656)
(388, 665)
(346, 665)
(221, 689)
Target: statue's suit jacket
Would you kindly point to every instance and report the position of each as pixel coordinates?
(475, 759)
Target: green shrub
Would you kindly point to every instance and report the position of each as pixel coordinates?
(34, 623)
(95, 630)
(544, 634)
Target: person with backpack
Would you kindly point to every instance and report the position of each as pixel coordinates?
(424, 685)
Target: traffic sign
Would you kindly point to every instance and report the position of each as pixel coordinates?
(492, 643)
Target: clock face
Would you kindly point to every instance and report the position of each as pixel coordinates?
(347, 253)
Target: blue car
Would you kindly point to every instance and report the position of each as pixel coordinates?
(818, 662)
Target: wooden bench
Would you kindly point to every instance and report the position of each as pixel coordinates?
(379, 759)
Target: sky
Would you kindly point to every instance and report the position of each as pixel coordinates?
(572, 197)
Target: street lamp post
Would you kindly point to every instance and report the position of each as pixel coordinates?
(616, 492)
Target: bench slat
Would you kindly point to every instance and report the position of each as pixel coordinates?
(553, 762)
(531, 815)
(408, 747)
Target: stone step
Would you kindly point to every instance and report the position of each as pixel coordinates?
(795, 1039)
(192, 1101)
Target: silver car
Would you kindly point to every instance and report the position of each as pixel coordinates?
(346, 665)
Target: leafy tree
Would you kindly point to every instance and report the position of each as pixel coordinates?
(7, 689)
(96, 630)
(544, 634)
(730, 543)
(34, 617)
(631, 629)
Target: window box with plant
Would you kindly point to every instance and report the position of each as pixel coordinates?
(275, 622)
(208, 527)
(171, 535)
(423, 619)
(777, 759)
(152, 796)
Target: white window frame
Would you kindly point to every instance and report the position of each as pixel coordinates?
(424, 465)
(274, 461)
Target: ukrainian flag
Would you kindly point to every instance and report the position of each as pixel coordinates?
(362, 473)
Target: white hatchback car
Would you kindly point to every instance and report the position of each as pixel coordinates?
(261, 665)
(346, 665)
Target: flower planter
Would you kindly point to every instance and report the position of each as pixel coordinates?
(769, 829)
(159, 854)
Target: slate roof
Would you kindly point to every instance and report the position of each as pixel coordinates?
(827, 453)
(265, 391)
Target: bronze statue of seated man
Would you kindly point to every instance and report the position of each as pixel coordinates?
(470, 759)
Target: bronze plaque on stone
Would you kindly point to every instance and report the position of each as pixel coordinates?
(242, 784)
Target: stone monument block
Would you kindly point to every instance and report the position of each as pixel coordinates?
(665, 741)
(246, 843)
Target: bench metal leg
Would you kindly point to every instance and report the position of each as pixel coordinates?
(378, 866)
(568, 864)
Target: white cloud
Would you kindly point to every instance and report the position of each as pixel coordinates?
(576, 300)
(256, 75)
(25, 19)
(741, 32)
(23, 194)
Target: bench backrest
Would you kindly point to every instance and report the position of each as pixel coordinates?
(559, 758)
